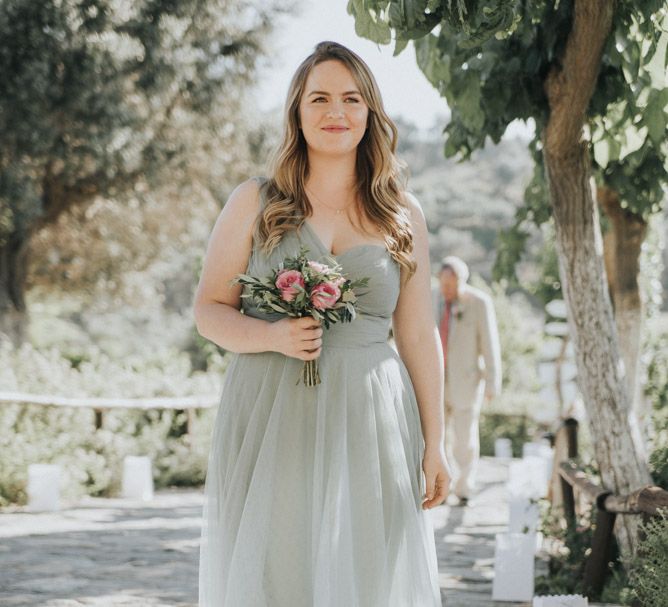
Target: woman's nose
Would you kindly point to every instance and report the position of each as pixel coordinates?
(335, 110)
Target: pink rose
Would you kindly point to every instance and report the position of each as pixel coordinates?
(325, 295)
(318, 267)
(339, 281)
(286, 281)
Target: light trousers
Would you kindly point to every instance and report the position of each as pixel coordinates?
(462, 444)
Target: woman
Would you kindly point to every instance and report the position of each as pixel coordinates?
(316, 495)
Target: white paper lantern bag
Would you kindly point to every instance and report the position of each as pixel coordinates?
(137, 478)
(523, 515)
(527, 478)
(537, 448)
(563, 600)
(503, 447)
(514, 567)
(44, 487)
(543, 451)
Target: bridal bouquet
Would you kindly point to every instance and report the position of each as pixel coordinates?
(302, 287)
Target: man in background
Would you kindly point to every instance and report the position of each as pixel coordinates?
(467, 325)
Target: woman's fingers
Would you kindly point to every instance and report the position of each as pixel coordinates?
(303, 337)
(438, 487)
(311, 355)
(431, 490)
(442, 491)
(311, 338)
(307, 322)
(312, 344)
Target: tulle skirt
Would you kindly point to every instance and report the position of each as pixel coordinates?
(313, 494)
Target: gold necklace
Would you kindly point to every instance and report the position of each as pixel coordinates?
(336, 211)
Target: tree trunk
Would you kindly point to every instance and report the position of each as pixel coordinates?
(622, 245)
(57, 198)
(13, 269)
(617, 442)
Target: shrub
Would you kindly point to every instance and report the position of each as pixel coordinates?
(648, 571)
(92, 459)
(518, 428)
(568, 550)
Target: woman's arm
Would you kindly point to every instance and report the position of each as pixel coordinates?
(416, 334)
(217, 303)
(419, 346)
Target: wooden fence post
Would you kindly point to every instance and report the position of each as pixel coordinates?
(568, 503)
(565, 447)
(596, 566)
(571, 425)
(99, 418)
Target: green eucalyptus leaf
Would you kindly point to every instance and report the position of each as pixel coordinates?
(654, 116)
(276, 307)
(399, 45)
(606, 150)
(367, 25)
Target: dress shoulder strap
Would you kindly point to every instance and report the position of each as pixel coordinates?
(262, 182)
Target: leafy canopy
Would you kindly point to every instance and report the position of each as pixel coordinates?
(489, 59)
(97, 94)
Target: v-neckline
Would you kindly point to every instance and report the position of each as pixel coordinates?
(353, 248)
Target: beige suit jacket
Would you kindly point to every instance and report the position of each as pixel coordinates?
(473, 357)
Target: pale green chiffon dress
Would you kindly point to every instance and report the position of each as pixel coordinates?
(313, 494)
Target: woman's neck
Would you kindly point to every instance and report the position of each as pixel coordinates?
(332, 176)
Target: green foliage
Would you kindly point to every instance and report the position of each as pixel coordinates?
(509, 413)
(519, 429)
(519, 338)
(96, 95)
(490, 61)
(649, 570)
(92, 459)
(568, 550)
(656, 389)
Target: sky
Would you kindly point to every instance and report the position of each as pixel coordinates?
(405, 90)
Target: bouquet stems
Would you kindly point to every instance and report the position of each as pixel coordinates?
(310, 374)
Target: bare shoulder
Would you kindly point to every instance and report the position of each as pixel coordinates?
(414, 207)
(231, 240)
(417, 219)
(243, 201)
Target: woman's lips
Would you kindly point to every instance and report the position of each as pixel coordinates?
(335, 129)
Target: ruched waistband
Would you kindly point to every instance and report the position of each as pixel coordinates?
(363, 331)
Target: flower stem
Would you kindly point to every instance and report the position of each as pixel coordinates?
(310, 373)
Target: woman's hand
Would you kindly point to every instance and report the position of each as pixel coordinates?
(437, 475)
(297, 337)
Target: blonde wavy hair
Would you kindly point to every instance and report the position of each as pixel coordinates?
(380, 182)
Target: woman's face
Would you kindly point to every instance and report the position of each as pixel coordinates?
(332, 113)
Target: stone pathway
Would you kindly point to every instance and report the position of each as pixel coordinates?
(114, 552)
(465, 539)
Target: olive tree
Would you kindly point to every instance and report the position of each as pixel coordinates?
(98, 98)
(588, 73)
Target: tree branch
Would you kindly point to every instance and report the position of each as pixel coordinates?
(570, 85)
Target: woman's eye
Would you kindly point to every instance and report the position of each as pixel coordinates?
(353, 99)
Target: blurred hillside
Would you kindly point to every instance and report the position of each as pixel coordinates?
(465, 203)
